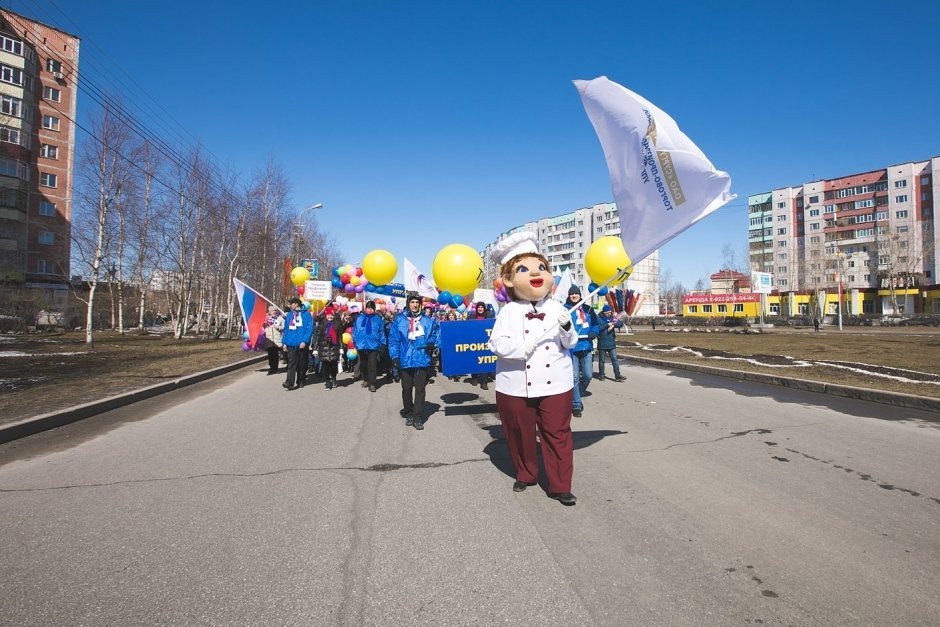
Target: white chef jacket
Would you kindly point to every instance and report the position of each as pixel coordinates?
(548, 370)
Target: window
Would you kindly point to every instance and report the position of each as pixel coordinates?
(49, 151)
(775, 309)
(11, 45)
(925, 180)
(53, 66)
(782, 231)
(706, 308)
(868, 278)
(851, 278)
(11, 106)
(900, 214)
(782, 217)
(693, 308)
(902, 229)
(46, 208)
(44, 266)
(50, 122)
(51, 93)
(48, 180)
(10, 135)
(900, 184)
(9, 167)
(739, 308)
(851, 264)
(883, 260)
(864, 204)
(782, 269)
(901, 198)
(722, 308)
(925, 196)
(782, 243)
(781, 205)
(11, 75)
(813, 213)
(782, 282)
(814, 239)
(782, 256)
(46, 238)
(864, 232)
(813, 200)
(814, 226)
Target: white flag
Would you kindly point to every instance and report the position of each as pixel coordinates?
(564, 284)
(662, 182)
(417, 282)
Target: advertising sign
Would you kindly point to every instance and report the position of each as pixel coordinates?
(463, 347)
(318, 290)
(312, 266)
(761, 282)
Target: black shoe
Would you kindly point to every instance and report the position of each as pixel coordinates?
(287, 386)
(270, 372)
(396, 379)
(565, 498)
(418, 423)
(365, 384)
(404, 413)
(484, 386)
(329, 384)
(620, 379)
(576, 413)
(372, 388)
(520, 486)
(409, 421)
(474, 382)
(599, 377)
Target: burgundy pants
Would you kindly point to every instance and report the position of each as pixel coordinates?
(551, 415)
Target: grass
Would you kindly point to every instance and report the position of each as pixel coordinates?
(898, 361)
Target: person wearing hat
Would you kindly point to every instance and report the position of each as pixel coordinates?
(369, 337)
(480, 312)
(412, 338)
(607, 342)
(531, 338)
(329, 340)
(298, 329)
(587, 325)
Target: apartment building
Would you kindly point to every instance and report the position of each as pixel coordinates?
(871, 236)
(38, 88)
(564, 239)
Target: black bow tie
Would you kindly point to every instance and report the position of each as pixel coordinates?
(532, 314)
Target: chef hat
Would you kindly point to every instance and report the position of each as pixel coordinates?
(516, 244)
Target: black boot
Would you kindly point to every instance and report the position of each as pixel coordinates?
(418, 423)
(332, 382)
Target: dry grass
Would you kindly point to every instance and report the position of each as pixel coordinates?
(45, 372)
(915, 351)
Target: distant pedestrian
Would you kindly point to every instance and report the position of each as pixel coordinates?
(607, 343)
(369, 336)
(654, 324)
(816, 324)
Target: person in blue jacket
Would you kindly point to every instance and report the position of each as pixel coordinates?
(412, 339)
(607, 343)
(369, 337)
(587, 325)
(298, 329)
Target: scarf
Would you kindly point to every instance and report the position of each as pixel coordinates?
(330, 332)
(369, 323)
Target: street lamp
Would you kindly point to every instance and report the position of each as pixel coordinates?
(298, 225)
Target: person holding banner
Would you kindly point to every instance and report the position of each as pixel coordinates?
(412, 339)
(531, 338)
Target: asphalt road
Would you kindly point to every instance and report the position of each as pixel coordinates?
(702, 500)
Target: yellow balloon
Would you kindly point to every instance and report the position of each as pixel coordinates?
(458, 269)
(299, 275)
(346, 338)
(379, 266)
(605, 258)
(354, 280)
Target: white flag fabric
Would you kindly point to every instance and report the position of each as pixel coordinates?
(662, 182)
(417, 282)
(564, 284)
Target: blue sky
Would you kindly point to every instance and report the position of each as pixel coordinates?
(419, 124)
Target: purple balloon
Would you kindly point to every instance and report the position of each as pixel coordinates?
(350, 288)
(246, 346)
(359, 288)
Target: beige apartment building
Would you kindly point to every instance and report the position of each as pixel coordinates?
(871, 236)
(38, 89)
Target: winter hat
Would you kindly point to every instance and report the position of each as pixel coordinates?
(481, 304)
(574, 289)
(412, 297)
(606, 308)
(328, 311)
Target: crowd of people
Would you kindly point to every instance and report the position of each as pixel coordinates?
(403, 347)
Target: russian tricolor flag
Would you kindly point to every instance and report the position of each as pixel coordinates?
(254, 310)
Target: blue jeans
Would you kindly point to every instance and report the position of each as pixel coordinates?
(582, 365)
(612, 354)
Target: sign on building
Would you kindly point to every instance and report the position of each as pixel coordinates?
(761, 282)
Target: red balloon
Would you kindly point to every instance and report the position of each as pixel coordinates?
(344, 278)
(343, 308)
(300, 290)
(358, 271)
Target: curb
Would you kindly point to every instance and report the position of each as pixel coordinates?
(62, 417)
(897, 399)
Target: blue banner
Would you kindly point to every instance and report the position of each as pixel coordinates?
(463, 347)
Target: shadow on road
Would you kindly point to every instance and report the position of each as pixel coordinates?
(782, 394)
